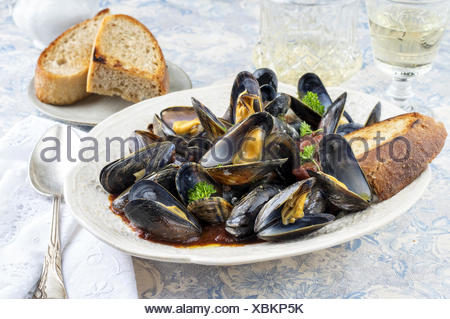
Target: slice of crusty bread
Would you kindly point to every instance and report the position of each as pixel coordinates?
(62, 67)
(406, 144)
(127, 61)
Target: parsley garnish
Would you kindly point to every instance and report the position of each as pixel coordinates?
(305, 129)
(307, 155)
(312, 100)
(201, 190)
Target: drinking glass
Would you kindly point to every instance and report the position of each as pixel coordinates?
(300, 36)
(405, 38)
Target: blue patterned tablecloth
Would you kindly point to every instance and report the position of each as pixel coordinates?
(213, 40)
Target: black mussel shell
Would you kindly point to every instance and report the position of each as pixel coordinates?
(305, 113)
(332, 116)
(122, 173)
(374, 115)
(337, 159)
(213, 210)
(160, 128)
(173, 114)
(280, 145)
(311, 82)
(141, 139)
(245, 83)
(278, 106)
(268, 93)
(188, 176)
(221, 153)
(306, 225)
(242, 218)
(266, 76)
(213, 127)
(348, 128)
(280, 126)
(164, 177)
(152, 208)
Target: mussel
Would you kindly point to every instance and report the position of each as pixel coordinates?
(122, 173)
(153, 209)
(373, 117)
(238, 157)
(242, 219)
(213, 127)
(311, 82)
(164, 177)
(297, 210)
(245, 97)
(344, 179)
(183, 120)
(213, 208)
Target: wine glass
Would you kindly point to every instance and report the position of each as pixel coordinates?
(405, 39)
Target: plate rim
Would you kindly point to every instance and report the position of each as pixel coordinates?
(229, 259)
(36, 102)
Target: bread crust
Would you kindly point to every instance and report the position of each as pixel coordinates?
(101, 60)
(396, 163)
(59, 89)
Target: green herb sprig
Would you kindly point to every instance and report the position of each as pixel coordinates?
(305, 129)
(312, 100)
(307, 155)
(201, 190)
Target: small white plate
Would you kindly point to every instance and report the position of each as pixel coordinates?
(95, 108)
(90, 206)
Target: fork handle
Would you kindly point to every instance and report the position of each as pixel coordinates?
(51, 285)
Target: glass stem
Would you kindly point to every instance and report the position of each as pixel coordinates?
(401, 91)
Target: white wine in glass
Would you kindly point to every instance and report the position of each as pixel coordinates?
(405, 39)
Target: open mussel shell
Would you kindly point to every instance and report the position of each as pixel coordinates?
(278, 106)
(174, 114)
(189, 175)
(222, 152)
(213, 127)
(160, 128)
(310, 82)
(214, 209)
(268, 93)
(164, 177)
(279, 125)
(140, 139)
(347, 128)
(245, 97)
(374, 115)
(241, 221)
(305, 113)
(269, 225)
(220, 161)
(153, 209)
(301, 227)
(242, 174)
(266, 76)
(281, 145)
(117, 176)
(330, 119)
(337, 159)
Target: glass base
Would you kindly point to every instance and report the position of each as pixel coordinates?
(400, 91)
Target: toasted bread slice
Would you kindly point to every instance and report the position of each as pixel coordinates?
(394, 152)
(127, 61)
(62, 67)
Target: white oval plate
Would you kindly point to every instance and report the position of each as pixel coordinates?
(95, 108)
(90, 205)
